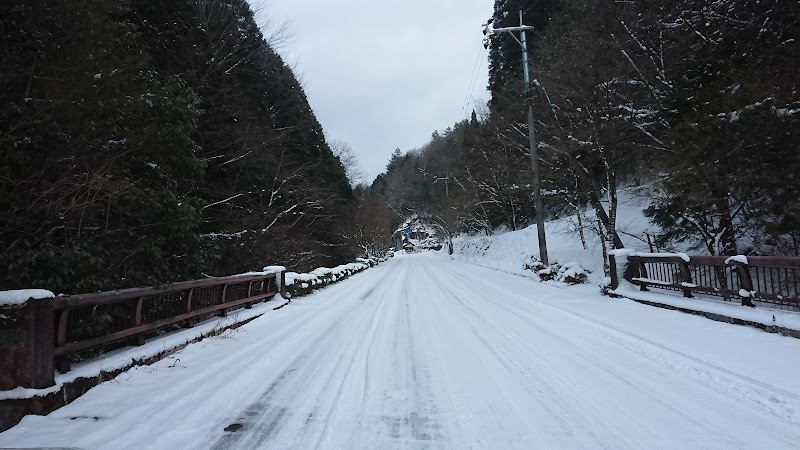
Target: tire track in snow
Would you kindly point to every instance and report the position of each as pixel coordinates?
(501, 398)
(541, 383)
(324, 367)
(229, 368)
(742, 388)
(703, 370)
(259, 422)
(397, 411)
(362, 343)
(422, 420)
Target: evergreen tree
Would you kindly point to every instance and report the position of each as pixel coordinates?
(149, 141)
(98, 161)
(505, 61)
(730, 185)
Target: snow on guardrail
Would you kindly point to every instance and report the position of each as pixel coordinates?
(21, 296)
(304, 283)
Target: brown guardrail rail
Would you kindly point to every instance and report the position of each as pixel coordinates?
(40, 335)
(88, 321)
(769, 279)
(43, 334)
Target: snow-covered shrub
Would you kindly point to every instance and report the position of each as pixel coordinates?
(298, 284)
(371, 262)
(548, 273)
(605, 287)
(572, 273)
(534, 265)
(569, 273)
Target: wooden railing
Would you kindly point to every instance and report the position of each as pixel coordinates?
(765, 279)
(89, 321)
(40, 335)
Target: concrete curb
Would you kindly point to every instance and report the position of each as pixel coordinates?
(720, 318)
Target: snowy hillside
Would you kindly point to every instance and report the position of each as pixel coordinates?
(511, 251)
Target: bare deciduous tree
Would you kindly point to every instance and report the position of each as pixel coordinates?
(349, 159)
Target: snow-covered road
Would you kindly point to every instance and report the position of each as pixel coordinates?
(425, 352)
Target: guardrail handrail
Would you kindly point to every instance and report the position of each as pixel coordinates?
(131, 313)
(76, 300)
(768, 279)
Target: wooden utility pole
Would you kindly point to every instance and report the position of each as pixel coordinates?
(532, 144)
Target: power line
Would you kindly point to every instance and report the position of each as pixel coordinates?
(472, 83)
(469, 87)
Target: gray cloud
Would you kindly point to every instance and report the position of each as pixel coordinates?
(383, 76)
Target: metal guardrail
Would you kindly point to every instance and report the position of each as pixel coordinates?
(767, 279)
(89, 321)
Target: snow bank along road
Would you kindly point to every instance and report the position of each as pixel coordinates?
(425, 352)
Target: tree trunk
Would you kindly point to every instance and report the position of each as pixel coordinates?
(580, 227)
(611, 233)
(604, 245)
(594, 200)
(727, 234)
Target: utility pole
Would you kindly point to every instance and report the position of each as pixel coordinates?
(537, 191)
(446, 184)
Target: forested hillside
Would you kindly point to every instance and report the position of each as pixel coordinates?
(698, 101)
(147, 141)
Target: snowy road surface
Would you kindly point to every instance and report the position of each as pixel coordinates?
(425, 352)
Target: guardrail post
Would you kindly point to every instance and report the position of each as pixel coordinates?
(612, 266)
(686, 275)
(642, 274)
(224, 311)
(249, 305)
(189, 323)
(745, 282)
(137, 320)
(26, 345)
(62, 362)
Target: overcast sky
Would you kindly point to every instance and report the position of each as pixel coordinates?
(383, 75)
